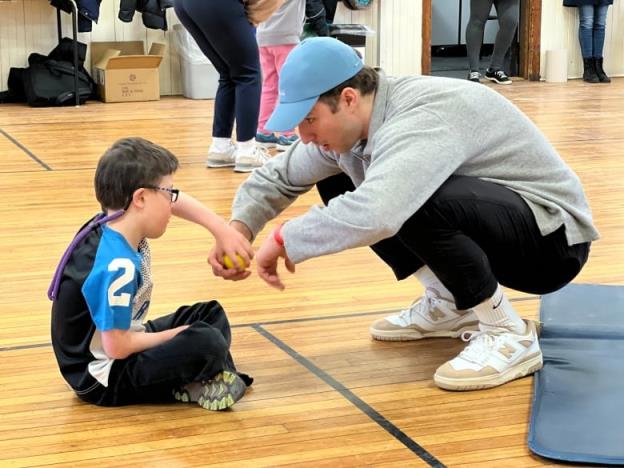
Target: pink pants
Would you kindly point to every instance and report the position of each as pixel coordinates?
(271, 60)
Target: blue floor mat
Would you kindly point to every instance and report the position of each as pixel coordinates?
(578, 402)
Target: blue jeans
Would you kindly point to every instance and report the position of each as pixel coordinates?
(593, 19)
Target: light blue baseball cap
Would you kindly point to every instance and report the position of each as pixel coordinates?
(312, 68)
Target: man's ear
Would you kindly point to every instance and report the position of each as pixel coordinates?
(350, 97)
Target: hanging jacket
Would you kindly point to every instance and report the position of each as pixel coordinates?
(88, 12)
(154, 14)
(577, 3)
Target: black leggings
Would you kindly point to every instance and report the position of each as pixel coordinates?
(197, 353)
(227, 38)
(474, 234)
(507, 12)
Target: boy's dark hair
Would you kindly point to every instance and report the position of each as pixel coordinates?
(365, 81)
(131, 163)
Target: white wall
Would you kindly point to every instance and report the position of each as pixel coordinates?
(30, 26)
(400, 36)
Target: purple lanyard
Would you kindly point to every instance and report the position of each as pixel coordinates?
(95, 222)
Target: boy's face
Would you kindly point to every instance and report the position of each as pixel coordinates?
(158, 208)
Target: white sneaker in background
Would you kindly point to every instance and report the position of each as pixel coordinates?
(221, 157)
(428, 317)
(248, 160)
(491, 358)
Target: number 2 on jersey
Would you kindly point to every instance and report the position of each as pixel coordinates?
(114, 297)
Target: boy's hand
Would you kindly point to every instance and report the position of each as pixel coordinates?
(218, 269)
(234, 245)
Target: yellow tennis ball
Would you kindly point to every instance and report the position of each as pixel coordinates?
(227, 262)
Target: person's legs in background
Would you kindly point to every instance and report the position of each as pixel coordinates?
(598, 39)
(225, 35)
(507, 12)
(269, 96)
(272, 58)
(287, 138)
(479, 12)
(586, 39)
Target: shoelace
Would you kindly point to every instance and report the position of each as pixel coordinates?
(481, 345)
(260, 155)
(420, 306)
(500, 74)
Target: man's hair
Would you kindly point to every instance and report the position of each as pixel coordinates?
(365, 81)
(131, 163)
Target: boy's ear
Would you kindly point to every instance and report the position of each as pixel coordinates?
(138, 198)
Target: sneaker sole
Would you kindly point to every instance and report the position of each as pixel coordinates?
(233, 390)
(182, 396)
(413, 335)
(244, 168)
(214, 164)
(523, 369)
(499, 82)
(265, 145)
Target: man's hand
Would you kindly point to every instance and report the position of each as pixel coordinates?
(266, 262)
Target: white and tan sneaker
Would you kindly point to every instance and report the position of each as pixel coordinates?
(247, 161)
(492, 358)
(218, 158)
(428, 317)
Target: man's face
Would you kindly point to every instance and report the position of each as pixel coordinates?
(332, 131)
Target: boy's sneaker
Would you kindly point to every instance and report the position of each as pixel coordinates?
(491, 358)
(221, 158)
(427, 317)
(266, 140)
(219, 393)
(285, 141)
(497, 76)
(247, 161)
(474, 76)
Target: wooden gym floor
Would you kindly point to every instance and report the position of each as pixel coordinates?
(325, 394)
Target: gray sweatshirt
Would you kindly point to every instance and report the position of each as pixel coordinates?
(284, 26)
(422, 131)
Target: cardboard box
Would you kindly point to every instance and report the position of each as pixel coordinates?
(124, 73)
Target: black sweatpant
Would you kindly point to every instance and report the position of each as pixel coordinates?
(197, 353)
(474, 234)
(225, 35)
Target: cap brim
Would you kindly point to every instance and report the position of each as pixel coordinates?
(287, 115)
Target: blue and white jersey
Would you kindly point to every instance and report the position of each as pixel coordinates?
(117, 292)
(106, 285)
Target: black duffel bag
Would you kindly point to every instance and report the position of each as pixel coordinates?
(49, 82)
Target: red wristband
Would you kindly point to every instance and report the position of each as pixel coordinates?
(277, 235)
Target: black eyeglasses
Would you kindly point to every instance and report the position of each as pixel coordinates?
(173, 192)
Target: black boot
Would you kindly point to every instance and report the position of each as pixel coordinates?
(602, 76)
(589, 72)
